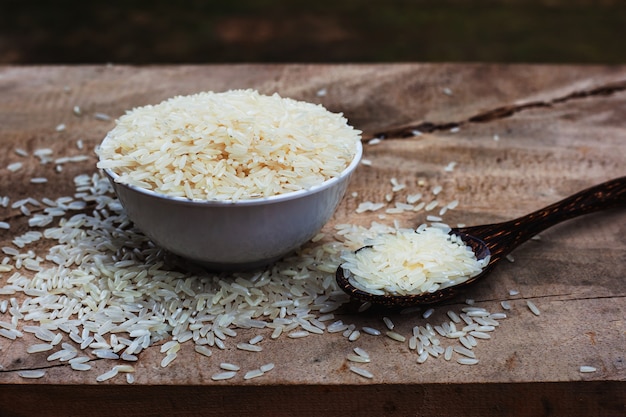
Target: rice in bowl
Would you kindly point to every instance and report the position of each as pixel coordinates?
(232, 180)
(229, 146)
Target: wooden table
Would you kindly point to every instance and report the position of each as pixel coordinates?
(521, 137)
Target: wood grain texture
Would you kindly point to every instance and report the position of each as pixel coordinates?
(559, 129)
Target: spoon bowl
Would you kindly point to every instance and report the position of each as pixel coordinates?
(497, 240)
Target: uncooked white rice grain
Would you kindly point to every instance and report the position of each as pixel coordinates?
(450, 167)
(358, 359)
(267, 367)
(32, 374)
(221, 376)
(485, 328)
(464, 351)
(41, 347)
(101, 116)
(229, 366)
(67, 355)
(354, 335)
(105, 354)
(15, 166)
(431, 205)
(126, 369)
(467, 361)
(428, 313)
(56, 355)
(513, 293)
(395, 336)
(203, 350)
(9, 333)
(371, 331)
(349, 330)
(298, 334)
(447, 355)
(336, 327)
(362, 372)
(532, 307)
(452, 204)
(128, 357)
(169, 345)
(107, 375)
(79, 359)
(413, 198)
(253, 348)
(587, 369)
(80, 366)
(169, 358)
(388, 323)
(255, 373)
(361, 352)
(5, 225)
(453, 316)
(277, 332)
(510, 258)
(505, 305)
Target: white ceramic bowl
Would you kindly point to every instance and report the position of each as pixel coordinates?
(234, 235)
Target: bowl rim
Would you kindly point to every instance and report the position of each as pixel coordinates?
(249, 201)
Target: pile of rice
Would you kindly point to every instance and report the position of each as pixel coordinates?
(95, 293)
(411, 261)
(232, 145)
(84, 287)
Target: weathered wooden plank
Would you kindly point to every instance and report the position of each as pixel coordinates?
(521, 137)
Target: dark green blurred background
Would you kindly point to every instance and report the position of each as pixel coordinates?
(159, 31)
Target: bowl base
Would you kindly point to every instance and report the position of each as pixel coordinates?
(237, 267)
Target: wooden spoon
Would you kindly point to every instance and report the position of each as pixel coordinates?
(497, 240)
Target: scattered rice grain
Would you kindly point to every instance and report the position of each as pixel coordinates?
(532, 307)
(221, 376)
(362, 372)
(32, 374)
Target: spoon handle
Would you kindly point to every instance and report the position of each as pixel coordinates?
(502, 238)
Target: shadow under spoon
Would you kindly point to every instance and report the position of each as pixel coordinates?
(497, 240)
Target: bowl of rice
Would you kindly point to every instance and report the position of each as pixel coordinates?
(230, 180)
